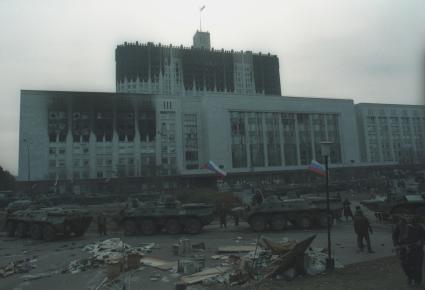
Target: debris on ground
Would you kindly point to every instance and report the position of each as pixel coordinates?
(19, 266)
(184, 247)
(236, 249)
(268, 259)
(315, 261)
(158, 263)
(113, 253)
(209, 273)
(37, 276)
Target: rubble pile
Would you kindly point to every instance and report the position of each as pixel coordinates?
(266, 259)
(19, 266)
(110, 252)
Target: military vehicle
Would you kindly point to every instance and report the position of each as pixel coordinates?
(148, 218)
(393, 205)
(335, 203)
(47, 223)
(275, 213)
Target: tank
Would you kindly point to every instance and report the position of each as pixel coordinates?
(275, 213)
(47, 223)
(167, 216)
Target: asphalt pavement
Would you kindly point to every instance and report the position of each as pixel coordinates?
(55, 256)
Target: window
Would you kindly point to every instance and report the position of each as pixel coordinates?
(256, 142)
(289, 139)
(238, 138)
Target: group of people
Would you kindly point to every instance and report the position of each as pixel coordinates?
(408, 239)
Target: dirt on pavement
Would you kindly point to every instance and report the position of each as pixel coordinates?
(380, 274)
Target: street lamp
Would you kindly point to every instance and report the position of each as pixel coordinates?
(326, 151)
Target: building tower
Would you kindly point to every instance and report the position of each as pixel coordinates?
(201, 39)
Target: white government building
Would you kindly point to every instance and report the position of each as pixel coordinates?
(176, 108)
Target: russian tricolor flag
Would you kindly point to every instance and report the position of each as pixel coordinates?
(213, 167)
(317, 168)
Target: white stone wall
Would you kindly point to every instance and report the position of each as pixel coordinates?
(216, 112)
(410, 147)
(32, 127)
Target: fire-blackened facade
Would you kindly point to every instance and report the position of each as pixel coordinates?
(149, 68)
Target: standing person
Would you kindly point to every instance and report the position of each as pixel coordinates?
(223, 217)
(101, 224)
(258, 198)
(236, 218)
(362, 228)
(347, 209)
(408, 238)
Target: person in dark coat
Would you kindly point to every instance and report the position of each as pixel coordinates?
(408, 238)
(258, 198)
(346, 209)
(101, 224)
(362, 228)
(223, 217)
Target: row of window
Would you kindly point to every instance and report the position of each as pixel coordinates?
(275, 139)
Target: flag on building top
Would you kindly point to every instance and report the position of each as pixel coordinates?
(214, 167)
(317, 168)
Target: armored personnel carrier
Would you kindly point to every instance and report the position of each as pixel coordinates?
(47, 223)
(392, 205)
(169, 215)
(275, 213)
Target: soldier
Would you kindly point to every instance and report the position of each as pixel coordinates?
(236, 219)
(258, 198)
(362, 228)
(347, 209)
(101, 224)
(223, 217)
(408, 238)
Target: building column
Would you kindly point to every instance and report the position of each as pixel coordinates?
(265, 149)
(310, 124)
(248, 141)
(281, 140)
(297, 139)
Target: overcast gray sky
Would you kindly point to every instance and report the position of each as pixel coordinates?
(366, 50)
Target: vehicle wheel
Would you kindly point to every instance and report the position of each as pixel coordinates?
(49, 233)
(148, 227)
(305, 222)
(130, 228)
(258, 223)
(36, 232)
(10, 229)
(279, 222)
(193, 226)
(173, 227)
(21, 230)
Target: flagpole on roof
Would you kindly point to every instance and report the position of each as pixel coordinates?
(200, 17)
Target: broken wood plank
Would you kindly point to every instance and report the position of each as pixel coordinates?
(236, 249)
(158, 263)
(204, 274)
